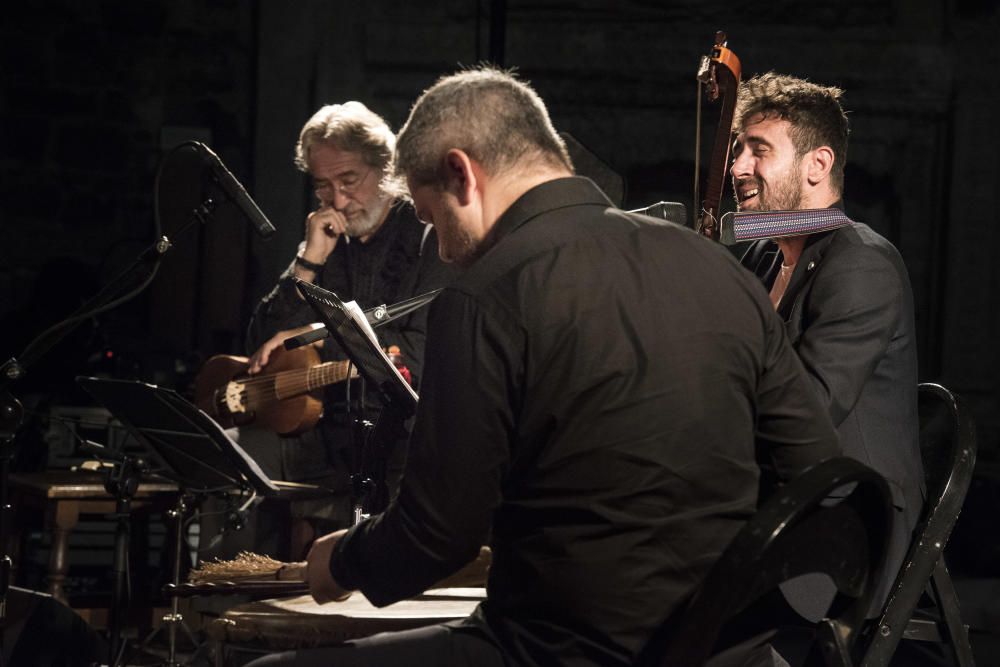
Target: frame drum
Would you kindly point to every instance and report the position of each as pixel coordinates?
(299, 622)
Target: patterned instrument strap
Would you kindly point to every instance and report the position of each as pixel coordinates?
(752, 225)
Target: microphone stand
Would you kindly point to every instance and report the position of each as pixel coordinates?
(12, 413)
(11, 417)
(377, 316)
(122, 482)
(174, 618)
(369, 483)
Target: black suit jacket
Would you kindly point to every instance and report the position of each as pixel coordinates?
(848, 311)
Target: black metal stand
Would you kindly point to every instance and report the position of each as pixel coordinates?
(115, 293)
(186, 446)
(370, 485)
(11, 415)
(175, 619)
(362, 483)
(126, 285)
(399, 401)
(122, 482)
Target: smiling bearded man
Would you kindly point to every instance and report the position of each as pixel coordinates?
(844, 294)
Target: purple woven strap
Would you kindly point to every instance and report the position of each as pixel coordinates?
(752, 225)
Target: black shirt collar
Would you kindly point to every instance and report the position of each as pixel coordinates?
(549, 196)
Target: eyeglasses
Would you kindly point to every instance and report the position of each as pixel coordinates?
(347, 185)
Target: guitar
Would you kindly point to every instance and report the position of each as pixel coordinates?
(284, 398)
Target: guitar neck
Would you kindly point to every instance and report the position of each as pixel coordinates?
(288, 384)
(327, 373)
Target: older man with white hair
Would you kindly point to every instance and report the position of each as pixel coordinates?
(365, 243)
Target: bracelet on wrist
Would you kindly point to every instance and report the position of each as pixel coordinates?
(307, 265)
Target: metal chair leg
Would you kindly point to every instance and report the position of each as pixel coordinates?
(958, 633)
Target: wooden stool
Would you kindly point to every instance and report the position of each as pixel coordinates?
(64, 495)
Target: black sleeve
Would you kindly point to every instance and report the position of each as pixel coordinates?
(458, 458)
(282, 308)
(853, 312)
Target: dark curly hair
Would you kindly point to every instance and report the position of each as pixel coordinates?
(814, 112)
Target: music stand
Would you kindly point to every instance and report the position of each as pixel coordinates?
(347, 325)
(189, 448)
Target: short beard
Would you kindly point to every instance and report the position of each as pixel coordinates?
(784, 194)
(369, 220)
(470, 253)
(464, 248)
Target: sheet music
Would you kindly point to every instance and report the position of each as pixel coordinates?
(358, 315)
(350, 328)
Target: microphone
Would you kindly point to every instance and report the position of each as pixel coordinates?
(236, 192)
(377, 316)
(311, 336)
(671, 211)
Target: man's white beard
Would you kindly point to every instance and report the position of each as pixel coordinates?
(369, 219)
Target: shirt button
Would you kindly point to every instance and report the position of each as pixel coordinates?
(810, 266)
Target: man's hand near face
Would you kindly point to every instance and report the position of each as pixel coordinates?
(324, 227)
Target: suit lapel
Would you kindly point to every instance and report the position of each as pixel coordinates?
(762, 259)
(806, 268)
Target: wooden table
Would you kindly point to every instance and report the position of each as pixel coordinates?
(64, 495)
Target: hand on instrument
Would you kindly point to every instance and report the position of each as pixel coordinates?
(263, 353)
(322, 585)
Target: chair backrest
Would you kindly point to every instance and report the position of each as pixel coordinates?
(948, 452)
(797, 531)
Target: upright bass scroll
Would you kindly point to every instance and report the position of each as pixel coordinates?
(719, 74)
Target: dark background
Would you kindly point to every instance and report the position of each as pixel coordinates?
(95, 94)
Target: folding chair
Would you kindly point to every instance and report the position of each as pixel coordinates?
(948, 451)
(797, 531)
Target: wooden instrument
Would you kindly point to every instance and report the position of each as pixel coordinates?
(253, 589)
(284, 398)
(261, 576)
(719, 74)
(301, 623)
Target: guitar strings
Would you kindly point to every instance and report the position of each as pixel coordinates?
(261, 389)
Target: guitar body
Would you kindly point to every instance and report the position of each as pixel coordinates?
(285, 397)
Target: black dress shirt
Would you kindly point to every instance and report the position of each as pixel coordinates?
(597, 387)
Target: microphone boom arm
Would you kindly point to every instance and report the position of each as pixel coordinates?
(377, 316)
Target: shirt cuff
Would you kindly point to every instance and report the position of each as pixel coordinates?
(342, 568)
